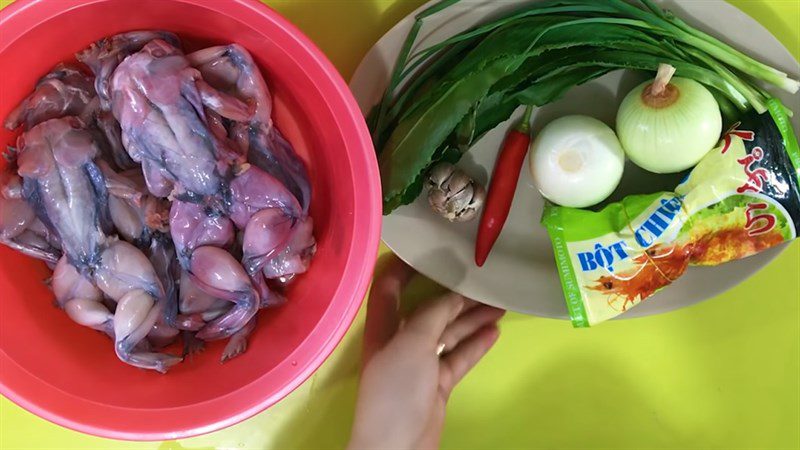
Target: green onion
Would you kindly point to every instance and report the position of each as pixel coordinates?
(404, 53)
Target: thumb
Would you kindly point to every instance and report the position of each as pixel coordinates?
(383, 306)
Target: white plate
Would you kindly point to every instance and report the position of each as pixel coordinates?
(520, 274)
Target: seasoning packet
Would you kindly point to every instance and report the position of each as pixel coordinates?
(741, 199)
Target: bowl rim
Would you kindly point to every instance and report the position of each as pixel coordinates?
(16, 382)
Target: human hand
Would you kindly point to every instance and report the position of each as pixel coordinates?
(405, 383)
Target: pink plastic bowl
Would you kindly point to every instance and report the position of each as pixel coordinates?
(69, 374)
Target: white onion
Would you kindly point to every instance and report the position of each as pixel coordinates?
(668, 125)
(576, 161)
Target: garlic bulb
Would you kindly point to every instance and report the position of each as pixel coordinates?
(453, 195)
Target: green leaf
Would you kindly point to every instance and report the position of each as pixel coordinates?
(631, 60)
(419, 90)
(548, 91)
(542, 8)
(465, 131)
(415, 139)
(498, 107)
(444, 154)
(411, 93)
(509, 41)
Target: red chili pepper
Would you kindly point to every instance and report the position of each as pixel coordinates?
(502, 187)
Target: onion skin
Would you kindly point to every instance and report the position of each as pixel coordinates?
(672, 132)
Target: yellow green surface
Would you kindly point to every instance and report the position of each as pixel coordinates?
(722, 374)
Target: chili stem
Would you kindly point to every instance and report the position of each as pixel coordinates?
(525, 125)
